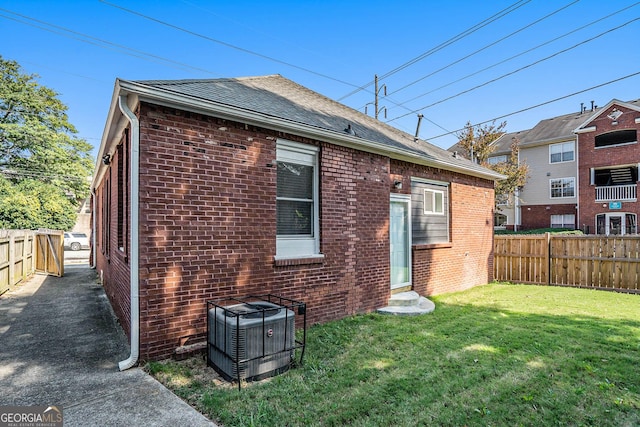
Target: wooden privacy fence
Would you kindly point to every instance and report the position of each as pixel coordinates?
(596, 262)
(23, 252)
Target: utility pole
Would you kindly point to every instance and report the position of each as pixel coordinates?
(375, 100)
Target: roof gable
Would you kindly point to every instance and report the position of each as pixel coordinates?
(632, 105)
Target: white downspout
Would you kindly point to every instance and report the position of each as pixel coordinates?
(94, 256)
(134, 258)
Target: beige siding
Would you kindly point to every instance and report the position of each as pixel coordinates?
(537, 190)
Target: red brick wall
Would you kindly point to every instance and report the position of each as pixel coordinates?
(467, 260)
(590, 157)
(208, 226)
(112, 264)
(539, 216)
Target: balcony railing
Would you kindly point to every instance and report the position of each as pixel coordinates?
(616, 193)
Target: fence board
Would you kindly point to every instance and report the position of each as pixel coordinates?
(15, 257)
(596, 262)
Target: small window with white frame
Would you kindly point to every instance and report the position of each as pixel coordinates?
(562, 152)
(497, 159)
(563, 221)
(562, 187)
(433, 202)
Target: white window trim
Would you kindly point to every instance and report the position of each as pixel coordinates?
(562, 151)
(502, 158)
(564, 225)
(562, 197)
(433, 201)
(288, 247)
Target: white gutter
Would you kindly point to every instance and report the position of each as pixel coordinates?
(134, 258)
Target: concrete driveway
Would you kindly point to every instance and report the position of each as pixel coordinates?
(60, 345)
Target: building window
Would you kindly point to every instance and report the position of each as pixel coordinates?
(430, 212)
(502, 199)
(562, 187)
(563, 152)
(619, 137)
(563, 221)
(433, 202)
(497, 159)
(297, 224)
(499, 220)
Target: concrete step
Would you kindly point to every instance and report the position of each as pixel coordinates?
(404, 299)
(407, 305)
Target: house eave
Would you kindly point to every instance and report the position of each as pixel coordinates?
(206, 107)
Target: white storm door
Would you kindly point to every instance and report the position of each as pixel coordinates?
(400, 241)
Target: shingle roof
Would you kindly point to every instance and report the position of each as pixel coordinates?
(283, 99)
(560, 127)
(502, 145)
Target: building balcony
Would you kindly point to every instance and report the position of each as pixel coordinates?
(611, 193)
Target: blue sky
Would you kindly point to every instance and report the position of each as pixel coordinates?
(534, 53)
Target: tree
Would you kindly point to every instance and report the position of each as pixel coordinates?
(36, 138)
(477, 143)
(39, 150)
(32, 204)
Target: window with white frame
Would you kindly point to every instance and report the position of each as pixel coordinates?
(562, 187)
(563, 221)
(563, 152)
(297, 200)
(433, 202)
(497, 159)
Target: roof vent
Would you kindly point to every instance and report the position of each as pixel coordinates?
(350, 130)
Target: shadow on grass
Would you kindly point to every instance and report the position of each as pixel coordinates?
(465, 364)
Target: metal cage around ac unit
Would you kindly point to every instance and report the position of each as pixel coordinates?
(253, 337)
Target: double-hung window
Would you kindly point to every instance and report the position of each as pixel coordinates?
(297, 200)
(563, 221)
(563, 187)
(563, 152)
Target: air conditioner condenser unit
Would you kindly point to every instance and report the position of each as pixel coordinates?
(250, 340)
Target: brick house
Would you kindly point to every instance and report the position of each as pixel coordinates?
(207, 189)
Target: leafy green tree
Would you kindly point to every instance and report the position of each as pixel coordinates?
(32, 204)
(41, 158)
(36, 139)
(477, 143)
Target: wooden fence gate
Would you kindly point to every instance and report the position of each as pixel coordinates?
(592, 261)
(23, 252)
(50, 252)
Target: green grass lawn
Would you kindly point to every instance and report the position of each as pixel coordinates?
(496, 355)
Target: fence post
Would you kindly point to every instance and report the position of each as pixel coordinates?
(547, 255)
(12, 258)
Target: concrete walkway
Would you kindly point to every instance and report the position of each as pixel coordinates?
(60, 345)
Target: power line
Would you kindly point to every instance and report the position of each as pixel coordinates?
(23, 173)
(486, 47)
(514, 71)
(514, 56)
(442, 45)
(637, 73)
(229, 45)
(105, 44)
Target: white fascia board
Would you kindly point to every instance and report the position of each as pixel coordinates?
(585, 130)
(114, 126)
(255, 118)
